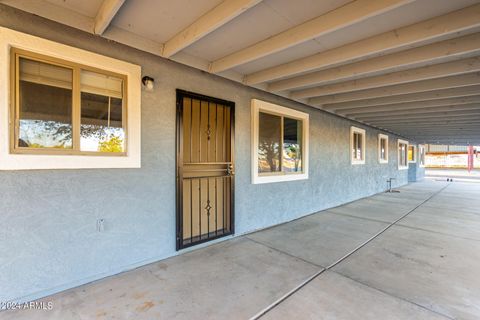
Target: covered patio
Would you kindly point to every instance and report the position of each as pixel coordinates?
(228, 159)
(414, 254)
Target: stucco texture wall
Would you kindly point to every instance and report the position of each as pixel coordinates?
(415, 172)
(48, 237)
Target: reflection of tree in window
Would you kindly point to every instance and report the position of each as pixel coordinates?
(269, 143)
(292, 150)
(45, 105)
(101, 102)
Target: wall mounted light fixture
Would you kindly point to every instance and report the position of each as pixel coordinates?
(148, 82)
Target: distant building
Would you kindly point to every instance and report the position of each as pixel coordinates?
(445, 156)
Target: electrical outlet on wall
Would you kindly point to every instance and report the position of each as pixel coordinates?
(100, 225)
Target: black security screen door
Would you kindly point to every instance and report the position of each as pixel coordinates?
(205, 168)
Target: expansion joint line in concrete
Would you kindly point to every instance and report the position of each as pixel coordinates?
(283, 252)
(315, 275)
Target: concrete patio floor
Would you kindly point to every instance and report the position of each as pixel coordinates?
(408, 255)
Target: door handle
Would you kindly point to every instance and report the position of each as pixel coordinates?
(230, 171)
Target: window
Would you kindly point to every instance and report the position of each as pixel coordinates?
(357, 145)
(66, 108)
(421, 155)
(382, 148)
(412, 153)
(402, 154)
(280, 143)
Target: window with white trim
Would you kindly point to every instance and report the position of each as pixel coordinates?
(357, 145)
(61, 107)
(280, 143)
(402, 154)
(421, 155)
(66, 108)
(412, 153)
(382, 148)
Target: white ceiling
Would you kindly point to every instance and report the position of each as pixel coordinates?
(159, 20)
(149, 24)
(88, 8)
(264, 21)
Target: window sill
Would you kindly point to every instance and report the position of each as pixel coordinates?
(65, 152)
(279, 178)
(357, 162)
(45, 162)
(403, 168)
(382, 161)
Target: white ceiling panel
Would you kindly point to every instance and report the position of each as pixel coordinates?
(263, 21)
(243, 31)
(398, 18)
(403, 16)
(299, 11)
(88, 8)
(159, 20)
(297, 52)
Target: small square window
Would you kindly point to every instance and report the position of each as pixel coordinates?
(402, 154)
(280, 143)
(357, 145)
(382, 148)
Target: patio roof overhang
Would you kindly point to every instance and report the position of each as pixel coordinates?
(409, 67)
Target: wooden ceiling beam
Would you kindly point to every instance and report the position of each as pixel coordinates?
(456, 92)
(413, 126)
(441, 133)
(433, 53)
(439, 27)
(347, 15)
(427, 120)
(457, 142)
(356, 91)
(451, 134)
(407, 106)
(105, 15)
(426, 115)
(440, 129)
(419, 138)
(209, 22)
(53, 12)
(399, 112)
(439, 70)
